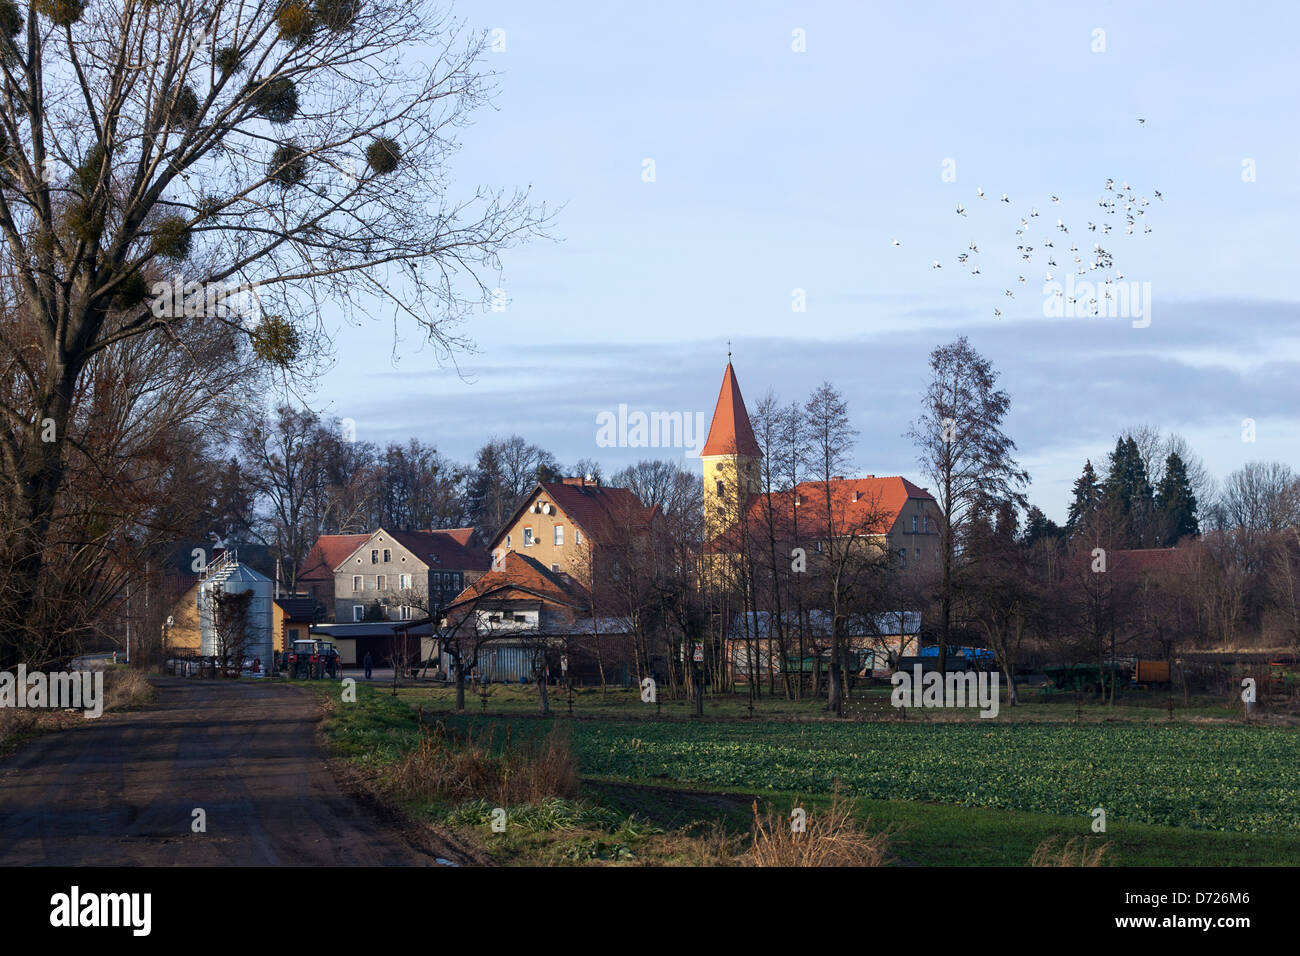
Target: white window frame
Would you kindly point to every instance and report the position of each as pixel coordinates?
(529, 540)
(388, 555)
(358, 583)
(374, 555)
(404, 581)
(381, 582)
(559, 535)
(358, 612)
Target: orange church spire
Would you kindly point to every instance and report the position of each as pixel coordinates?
(731, 433)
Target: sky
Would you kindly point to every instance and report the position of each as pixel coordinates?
(777, 169)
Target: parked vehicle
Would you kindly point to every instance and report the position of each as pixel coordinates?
(1087, 678)
(312, 659)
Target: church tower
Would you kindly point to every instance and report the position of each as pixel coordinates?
(731, 459)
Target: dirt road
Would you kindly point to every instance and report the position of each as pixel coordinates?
(122, 790)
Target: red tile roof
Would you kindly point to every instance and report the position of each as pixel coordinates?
(861, 505)
(596, 509)
(521, 577)
(450, 549)
(329, 551)
(731, 432)
(442, 549)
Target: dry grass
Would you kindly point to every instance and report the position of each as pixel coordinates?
(14, 723)
(454, 768)
(1073, 852)
(125, 687)
(831, 837)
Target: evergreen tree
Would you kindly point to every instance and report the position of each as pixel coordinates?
(1129, 492)
(1176, 503)
(1087, 494)
(486, 496)
(1038, 526)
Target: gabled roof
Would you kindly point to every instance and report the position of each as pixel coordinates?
(520, 576)
(858, 505)
(730, 433)
(596, 509)
(298, 608)
(329, 551)
(440, 550)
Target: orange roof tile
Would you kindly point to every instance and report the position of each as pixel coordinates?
(731, 432)
(328, 553)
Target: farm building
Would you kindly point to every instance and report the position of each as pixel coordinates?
(874, 641)
(227, 576)
(385, 641)
(521, 615)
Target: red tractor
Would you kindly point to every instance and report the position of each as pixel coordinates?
(312, 659)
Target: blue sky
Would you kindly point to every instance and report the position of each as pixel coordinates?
(777, 170)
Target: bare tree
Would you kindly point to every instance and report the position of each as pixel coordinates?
(293, 150)
(964, 453)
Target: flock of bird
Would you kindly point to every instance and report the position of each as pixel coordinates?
(1117, 198)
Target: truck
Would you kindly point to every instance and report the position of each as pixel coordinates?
(1087, 678)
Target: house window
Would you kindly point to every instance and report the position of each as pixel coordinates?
(404, 581)
(913, 524)
(437, 578)
(918, 555)
(381, 582)
(718, 487)
(507, 541)
(293, 634)
(925, 523)
(404, 612)
(357, 582)
(374, 556)
(388, 555)
(818, 547)
(358, 612)
(528, 537)
(458, 579)
(577, 536)
(555, 568)
(902, 557)
(559, 535)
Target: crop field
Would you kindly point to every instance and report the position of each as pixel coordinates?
(1203, 777)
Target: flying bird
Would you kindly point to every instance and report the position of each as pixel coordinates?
(936, 264)
(897, 243)
(1004, 198)
(960, 210)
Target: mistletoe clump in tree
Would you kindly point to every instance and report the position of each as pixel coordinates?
(299, 150)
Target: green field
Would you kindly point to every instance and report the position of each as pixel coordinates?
(974, 792)
(1217, 777)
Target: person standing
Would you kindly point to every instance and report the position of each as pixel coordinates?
(368, 662)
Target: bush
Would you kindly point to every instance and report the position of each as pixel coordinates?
(296, 22)
(831, 837)
(131, 291)
(11, 20)
(83, 222)
(62, 12)
(337, 15)
(228, 61)
(383, 155)
(275, 341)
(186, 107)
(456, 770)
(288, 165)
(171, 238)
(276, 99)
